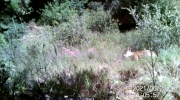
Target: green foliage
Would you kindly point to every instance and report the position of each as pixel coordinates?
(78, 4)
(156, 30)
(94, 5)
(55, 13)
(77, 29)
(17, 8)
(11, 5)
(73, 32)
(14, 4)
(170, 55)
(4, 21)
(138, 4)
(2, 40)
(100, 21)
(71, 27)
(15, 30)
(34, 51)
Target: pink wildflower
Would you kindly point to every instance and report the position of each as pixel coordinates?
(91, 50)
(72, 53)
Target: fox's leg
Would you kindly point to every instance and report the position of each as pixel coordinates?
(136, 58)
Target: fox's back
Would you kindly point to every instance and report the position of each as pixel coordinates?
(144, 53)
(149, 53)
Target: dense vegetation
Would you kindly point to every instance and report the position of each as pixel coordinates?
(74, 49)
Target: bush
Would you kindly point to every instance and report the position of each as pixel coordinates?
(100, 21)
(54, 13)
(170, 56)
(157, 30)
(82, 84)
(73, 32)
(73, 26)
(138, 4)
(94, 5)
(10, 29)
(15, 30)
(79, 5)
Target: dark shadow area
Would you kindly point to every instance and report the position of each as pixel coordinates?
(125, 21)
(83, 85)
(37, 5)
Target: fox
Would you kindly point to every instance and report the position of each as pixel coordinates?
(139, 54)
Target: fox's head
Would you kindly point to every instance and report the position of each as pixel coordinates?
(128, 53)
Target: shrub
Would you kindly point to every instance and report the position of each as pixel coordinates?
(170, 56)
(82, 84)
(94, 5)
(73, 32)
(72, 27)
(55, 13)
(15, 30)
(10, 29)
(100, 21)
(12, 69)
(79, 5)
(157, 30)
(138, 4)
